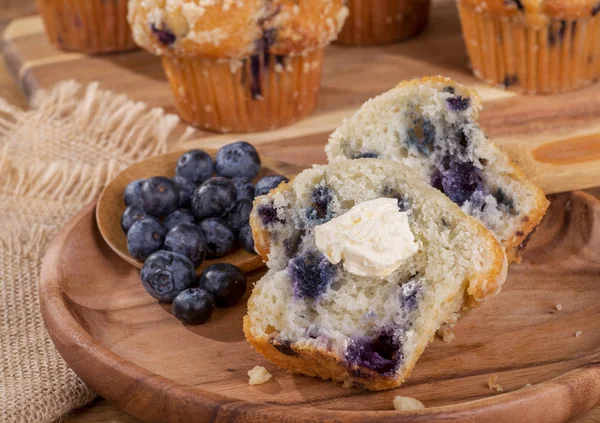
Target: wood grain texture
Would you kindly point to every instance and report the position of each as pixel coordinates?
(554, 138)
(111, 206)
(133, 352)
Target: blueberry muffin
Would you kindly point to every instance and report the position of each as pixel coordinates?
(533, 46)
(383, 21)
(89, 26)
(431, 126)
(366, 261)
(239, 65)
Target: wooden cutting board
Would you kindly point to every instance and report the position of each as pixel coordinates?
(556, 139)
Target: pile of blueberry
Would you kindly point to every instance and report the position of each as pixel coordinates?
(173, 224)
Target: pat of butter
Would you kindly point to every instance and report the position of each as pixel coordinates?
(372, 239)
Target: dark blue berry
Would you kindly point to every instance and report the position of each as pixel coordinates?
(164, 35)
(239, 215)
(244, 188)
(246, 239)
(292, 244)
(449, 89)
(224, 282)
(219, 237)
(160, 195)
(144, 238)
(311, 274)
(284, 346)
(408, 295)
(132, 214)
(460, 181)
(422, 136)
(381, 354)
(186, 189)
(320, 199)
(177, 217)
(504, 200)
(268, 183)
(196, 166)
(458, 103)
(237, 160)
(268, 214)
(165, 274)
(214, 198)
(133, 193)
(193, 306)
(403, 203)
(367, 156)
(188, 240)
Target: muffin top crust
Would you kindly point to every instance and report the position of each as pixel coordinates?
(234, 29)
(567, 9)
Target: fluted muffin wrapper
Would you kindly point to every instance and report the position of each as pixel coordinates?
(383, 21)
(535, 59)
(258, 93)
(89, 26)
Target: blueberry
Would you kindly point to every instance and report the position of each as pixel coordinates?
(267, 183)
(291, 245)
(224, 282)
(177, 217)
(381, 354)
(133, 193)
(311, 274)
(403, 203)
(245, 189)
(422, 136)
(460, 181)
(458, 103)
(239, 159)
(165, 274)
(268, 214)
(144, 238)
(284, 346)
(193, 306)
(320, 198)
(409, 294)
(449, 89)
(246, 239)
(219, 237)
(164, 35)
(214, 198)
(367, 156)
(186, 188)
(132, 214)
(239, 215)
(196, 166)
(504, 200)
(160, 195)
(188, 240)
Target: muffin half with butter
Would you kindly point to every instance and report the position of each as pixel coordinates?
(366, 261)
(239, 66)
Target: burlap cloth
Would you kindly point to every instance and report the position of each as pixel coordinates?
(55, 159)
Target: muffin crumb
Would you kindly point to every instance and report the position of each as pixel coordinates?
(527, 385)
(578, 334)
(446, 334)
(493, 385)
(258, 375)
(559, 307)
(407, 403)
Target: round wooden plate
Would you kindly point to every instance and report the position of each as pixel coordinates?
(131, 350)
(110, 205)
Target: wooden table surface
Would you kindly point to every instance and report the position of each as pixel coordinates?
(100, 410)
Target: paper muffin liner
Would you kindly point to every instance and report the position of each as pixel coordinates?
(507, 51)
(89, 26)
(383, 21)
(258, 93)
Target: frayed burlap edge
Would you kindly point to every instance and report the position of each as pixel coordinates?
(54, 159)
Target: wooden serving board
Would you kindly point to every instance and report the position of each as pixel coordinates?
(132, 351)
(556, 139)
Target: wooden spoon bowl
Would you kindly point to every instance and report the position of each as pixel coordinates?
(110, 206)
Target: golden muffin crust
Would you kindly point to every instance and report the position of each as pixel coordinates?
(538, 10)
(234, 29)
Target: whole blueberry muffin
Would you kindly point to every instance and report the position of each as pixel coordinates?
(89, 26)
(366, 261)
(533, 46)
(430, 125)
(383, 21)
(238, 65)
